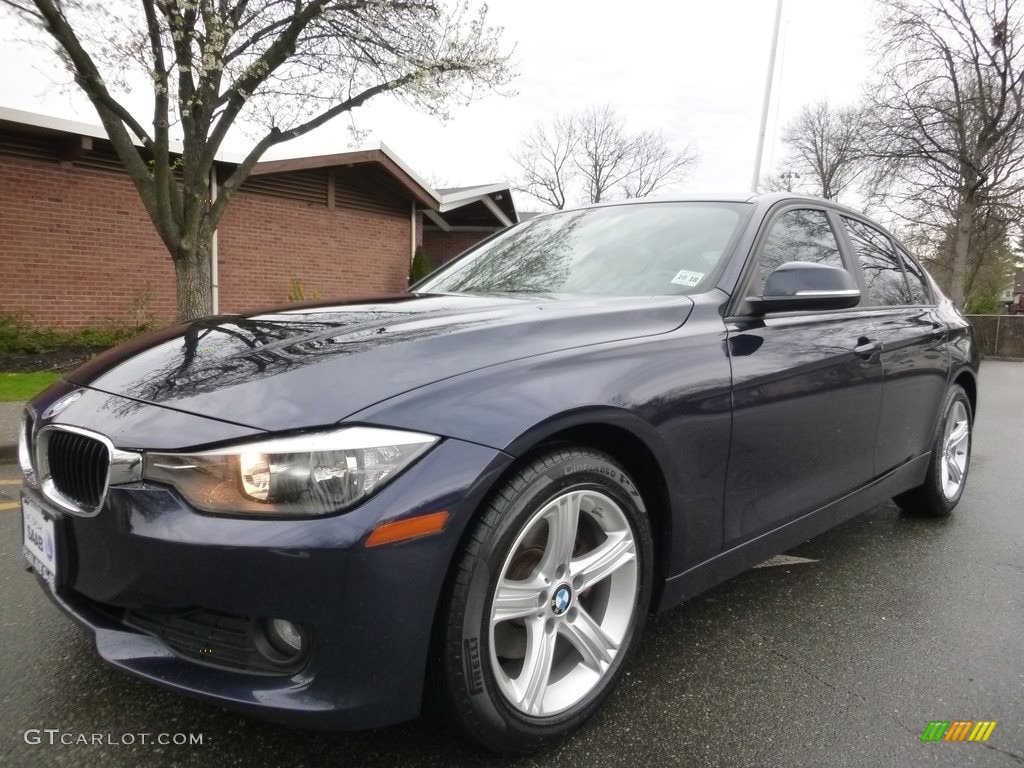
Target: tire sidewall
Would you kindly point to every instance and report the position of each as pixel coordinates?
(956, 394)
(576, 469)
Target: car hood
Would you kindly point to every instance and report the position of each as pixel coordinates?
(315, 365)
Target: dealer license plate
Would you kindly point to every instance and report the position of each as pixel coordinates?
(39, 542)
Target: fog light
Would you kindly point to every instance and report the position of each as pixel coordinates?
(285, 637)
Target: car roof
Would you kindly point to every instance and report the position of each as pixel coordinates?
(766, 199)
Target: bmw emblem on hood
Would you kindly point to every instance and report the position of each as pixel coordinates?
(60, 405)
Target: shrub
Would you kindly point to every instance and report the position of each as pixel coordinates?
(984, 304)
(298, 293)
(421, 266)
(20, 337)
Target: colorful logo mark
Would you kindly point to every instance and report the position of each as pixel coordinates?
(958, 730)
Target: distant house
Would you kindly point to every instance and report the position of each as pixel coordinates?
(78, 249)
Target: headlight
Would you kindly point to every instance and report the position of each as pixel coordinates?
(313, 474)
(25, 448)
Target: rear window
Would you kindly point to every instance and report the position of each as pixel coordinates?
(916, 280)
(883, 272)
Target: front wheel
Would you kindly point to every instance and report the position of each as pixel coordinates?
(951, 459)
(547, 602)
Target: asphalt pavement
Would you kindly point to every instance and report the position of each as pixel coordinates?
(838, 655)
(10, 422)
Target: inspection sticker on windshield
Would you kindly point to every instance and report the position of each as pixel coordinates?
(687, 278)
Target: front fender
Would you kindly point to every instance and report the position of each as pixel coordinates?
(671, 392)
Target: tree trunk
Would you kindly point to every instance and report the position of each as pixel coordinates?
(961, 252)
(193, 280)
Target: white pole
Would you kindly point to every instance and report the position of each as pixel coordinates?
(214, 256)
(412, 229)
(767, 99)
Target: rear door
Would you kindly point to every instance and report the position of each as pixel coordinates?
(914, 357)
(807, 390)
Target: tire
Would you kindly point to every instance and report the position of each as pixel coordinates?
(509, 673)
(941, 491)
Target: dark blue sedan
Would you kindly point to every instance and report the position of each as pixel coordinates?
(474, 493)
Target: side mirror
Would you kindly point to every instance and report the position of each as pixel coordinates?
(804, 285)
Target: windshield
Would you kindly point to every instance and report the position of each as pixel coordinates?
(652, 249)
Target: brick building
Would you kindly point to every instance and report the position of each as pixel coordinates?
(78, 249)
(465, 216)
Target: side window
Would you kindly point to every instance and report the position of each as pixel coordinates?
(919, 293)
(799, 235)
(883, 274)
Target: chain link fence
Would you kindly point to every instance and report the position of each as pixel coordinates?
(999, 335)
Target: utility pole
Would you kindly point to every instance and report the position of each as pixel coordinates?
(767, 98)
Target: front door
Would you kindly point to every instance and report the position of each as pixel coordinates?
(807, 390)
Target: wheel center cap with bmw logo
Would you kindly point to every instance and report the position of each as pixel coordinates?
(561, 600)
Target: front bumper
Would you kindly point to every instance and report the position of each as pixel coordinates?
(369, 612)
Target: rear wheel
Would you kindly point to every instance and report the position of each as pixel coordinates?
(951, 459)
(547, 602)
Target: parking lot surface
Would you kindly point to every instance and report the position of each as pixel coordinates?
(839, 655)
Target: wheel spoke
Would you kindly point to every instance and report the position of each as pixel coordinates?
(532, 682)
(608, 557)
(563, 520)
(587, 637)
(958, 433)
(955, 473)
(516, 599)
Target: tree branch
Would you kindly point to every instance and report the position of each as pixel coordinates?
(112, 114)
(277, 136)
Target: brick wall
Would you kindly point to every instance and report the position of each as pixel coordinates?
(266, 242)
(77, 249)
(443, 246)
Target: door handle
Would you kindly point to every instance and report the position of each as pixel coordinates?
(867, 347)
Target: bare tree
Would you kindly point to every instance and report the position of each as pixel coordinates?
(947, 123)
(289, 66)
(592, 155)
(990, 261)
(545, 160)
(655, 164)
(606, 151)
(824, 146)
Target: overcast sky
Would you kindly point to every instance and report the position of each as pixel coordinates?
(693, 69)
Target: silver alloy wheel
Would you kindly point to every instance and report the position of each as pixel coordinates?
(564, 602)
(956, 443)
